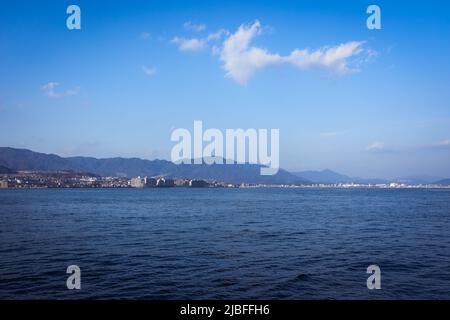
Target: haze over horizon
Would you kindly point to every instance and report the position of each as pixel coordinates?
(132, 74)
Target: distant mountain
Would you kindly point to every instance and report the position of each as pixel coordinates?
(329, 176)
(372, 181)
(324, 176)
(443, 182)
(22, 159)
(418, 179)
(4, 169)
(236, 173)
(125, 167)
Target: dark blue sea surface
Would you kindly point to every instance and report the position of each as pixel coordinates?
(185, 243)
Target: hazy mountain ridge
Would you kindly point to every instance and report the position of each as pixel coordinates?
(444, 182)
(324, 176)
(329, 176)
(12, 159)
(22, 159)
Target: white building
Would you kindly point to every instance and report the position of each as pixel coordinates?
(3, 184)
(137, 182)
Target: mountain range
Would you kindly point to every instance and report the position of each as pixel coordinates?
(444, 182)
(12, 159)
(22, 159)
(329, 176)
(324, 176)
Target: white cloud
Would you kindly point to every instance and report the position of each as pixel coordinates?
(376, 147)
(50, 89)
(197, 44)
(217, 35)
(444, 144)
(193, 44)
(334, 58)
(149, 71)
(241, 60)
(194, 27)
(145, 35)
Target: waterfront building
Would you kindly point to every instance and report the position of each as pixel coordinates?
(137, 182)
(198, 184)
(162, 182)
(181, 183)
(150, 182)
(3, 184)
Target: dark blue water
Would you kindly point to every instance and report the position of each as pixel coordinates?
(225, 243)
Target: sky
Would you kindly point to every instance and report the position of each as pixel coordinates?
(367, 103)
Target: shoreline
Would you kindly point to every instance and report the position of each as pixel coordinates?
(239, 187)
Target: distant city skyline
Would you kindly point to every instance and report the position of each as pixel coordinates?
(365, 103)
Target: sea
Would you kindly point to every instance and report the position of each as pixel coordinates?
(225, 243)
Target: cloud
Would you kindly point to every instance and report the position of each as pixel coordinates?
(217, 35)
(194, 27)
(193, 44)
(149, 71)
(376, 147)
(444, 144)
(50, 90)
(145, 35)
(241, 60)
(198, 44)
(334, 59)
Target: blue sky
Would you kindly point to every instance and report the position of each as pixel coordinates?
(135, 71)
